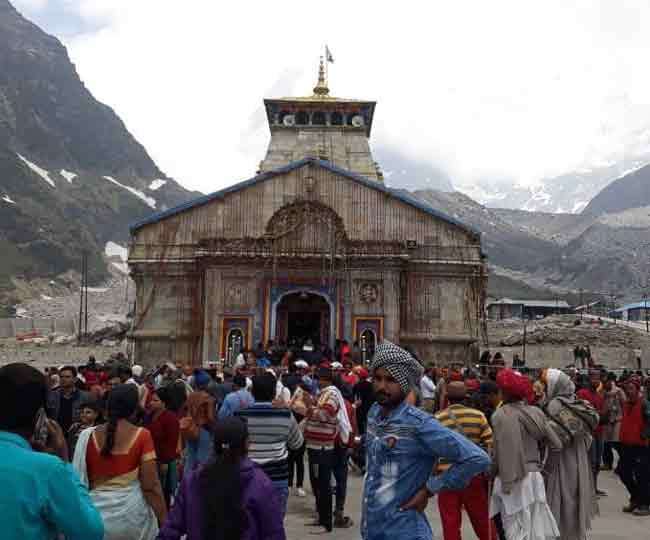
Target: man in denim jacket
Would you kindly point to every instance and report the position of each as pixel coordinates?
(403, 445)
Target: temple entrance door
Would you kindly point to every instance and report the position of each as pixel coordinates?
(303, 316)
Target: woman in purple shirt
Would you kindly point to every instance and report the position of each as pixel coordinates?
(228, 498)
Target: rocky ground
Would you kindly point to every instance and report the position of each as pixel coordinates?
(110, 302)
(563, 330)
(550, 341)
(108, 307)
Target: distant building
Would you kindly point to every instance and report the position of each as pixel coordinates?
(633, 312)
(506, 308)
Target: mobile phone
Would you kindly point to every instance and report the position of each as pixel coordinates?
(41, 431)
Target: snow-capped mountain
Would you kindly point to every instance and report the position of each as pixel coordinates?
(568, 193)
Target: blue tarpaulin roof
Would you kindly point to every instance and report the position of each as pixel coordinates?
(635, 305)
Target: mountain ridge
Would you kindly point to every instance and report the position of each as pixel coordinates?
(72, 177)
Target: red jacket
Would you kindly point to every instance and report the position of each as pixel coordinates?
(598, 402)
(632, 424)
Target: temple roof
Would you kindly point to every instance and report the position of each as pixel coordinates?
(321, 98)
(378, 186)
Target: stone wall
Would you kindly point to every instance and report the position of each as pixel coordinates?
(10, 327)
(558, 356)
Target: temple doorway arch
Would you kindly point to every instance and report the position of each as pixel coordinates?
(301, 315)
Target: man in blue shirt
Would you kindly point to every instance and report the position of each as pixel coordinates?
(403, 444)
(41, 496)
(237, 400)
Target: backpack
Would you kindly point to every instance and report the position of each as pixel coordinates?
(575, 417)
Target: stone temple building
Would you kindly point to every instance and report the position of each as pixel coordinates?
(313, 247)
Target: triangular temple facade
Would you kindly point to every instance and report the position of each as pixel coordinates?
(315, 248)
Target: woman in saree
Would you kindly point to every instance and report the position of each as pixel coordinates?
(117, 462)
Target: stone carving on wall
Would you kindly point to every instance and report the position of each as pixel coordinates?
(237, 295)
(369, 292)
(302, 213)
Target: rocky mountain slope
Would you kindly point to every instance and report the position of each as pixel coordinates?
(71, 175)
(505, 243)
(629, 191)
(540, 255)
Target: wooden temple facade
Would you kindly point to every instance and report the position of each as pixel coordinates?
(313, 247)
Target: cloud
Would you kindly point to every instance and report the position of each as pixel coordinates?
(62, 18)
(511, 89)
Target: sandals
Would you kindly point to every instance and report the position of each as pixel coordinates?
(343, 522)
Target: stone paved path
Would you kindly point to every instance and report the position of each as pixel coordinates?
(612, 524)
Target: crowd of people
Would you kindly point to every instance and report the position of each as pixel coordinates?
(118, 452)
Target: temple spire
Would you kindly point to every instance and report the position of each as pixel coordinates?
(321, 88)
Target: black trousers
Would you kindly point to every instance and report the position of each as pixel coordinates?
(340, 471)
(608, 453)
(634, 472)
(297, 461)
(321, 465)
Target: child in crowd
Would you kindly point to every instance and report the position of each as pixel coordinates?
(88, 417)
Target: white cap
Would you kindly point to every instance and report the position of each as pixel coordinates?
(337, 365)
(301, 364)
(137, 371)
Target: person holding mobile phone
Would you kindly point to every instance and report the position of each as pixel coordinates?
(41, 496)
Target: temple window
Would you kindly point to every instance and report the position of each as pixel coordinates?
(302, 118)
(318, 119)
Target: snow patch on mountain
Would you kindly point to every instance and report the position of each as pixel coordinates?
(481, 194)
(157, 184)
(111, 249)
(45, 175)
(69, 176)
(150, 201)
(122, 267)
(8, 199)
(539, 198)
(579, 207)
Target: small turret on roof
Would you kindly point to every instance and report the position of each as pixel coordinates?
(323, 127)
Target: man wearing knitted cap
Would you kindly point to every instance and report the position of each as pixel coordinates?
(403, 445)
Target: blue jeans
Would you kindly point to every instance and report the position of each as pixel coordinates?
(282, 489)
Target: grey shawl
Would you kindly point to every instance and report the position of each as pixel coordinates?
(517, 431)
(614, 401)
(569, 480)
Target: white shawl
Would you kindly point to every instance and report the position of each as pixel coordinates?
(344, 425)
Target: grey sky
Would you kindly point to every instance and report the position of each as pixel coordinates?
(507, 89)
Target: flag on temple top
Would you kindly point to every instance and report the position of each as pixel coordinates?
(328, 55)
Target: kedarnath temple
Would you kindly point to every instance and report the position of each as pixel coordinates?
(315, 247)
